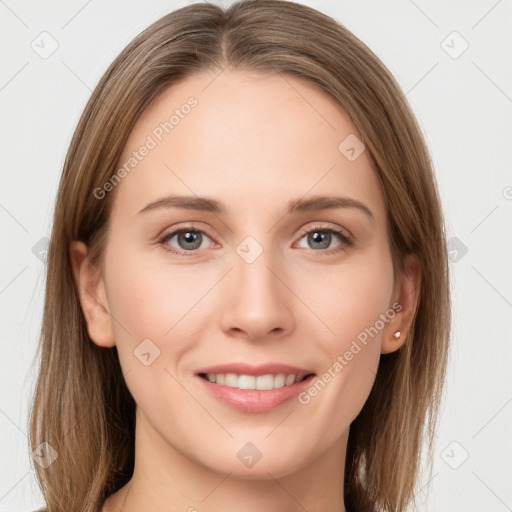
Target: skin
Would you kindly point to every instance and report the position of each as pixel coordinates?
(253, 143)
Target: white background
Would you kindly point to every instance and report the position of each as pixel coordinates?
(464, 106)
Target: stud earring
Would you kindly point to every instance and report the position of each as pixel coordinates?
(397, 335)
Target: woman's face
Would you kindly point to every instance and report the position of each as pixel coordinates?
(246, 170)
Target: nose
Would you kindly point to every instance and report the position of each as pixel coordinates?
(258, 303)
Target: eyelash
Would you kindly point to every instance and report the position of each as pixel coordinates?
(346, 242)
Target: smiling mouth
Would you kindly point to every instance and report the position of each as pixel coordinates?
(262, 382)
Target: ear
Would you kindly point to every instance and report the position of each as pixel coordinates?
(405, 298)
(93, 298)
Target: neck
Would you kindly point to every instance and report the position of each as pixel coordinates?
(166, 479)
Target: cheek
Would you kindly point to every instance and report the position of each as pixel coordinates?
(157, 312)
(150, 301)
(353, 303)
(150, 294)
(351, 298)
(169, 304)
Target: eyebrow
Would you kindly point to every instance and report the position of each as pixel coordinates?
(298, 205)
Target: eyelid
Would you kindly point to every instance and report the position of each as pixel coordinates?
(190, 226)
(322, 227)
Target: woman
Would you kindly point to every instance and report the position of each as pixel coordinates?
(247, 300)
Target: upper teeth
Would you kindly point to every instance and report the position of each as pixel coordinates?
(262, 382)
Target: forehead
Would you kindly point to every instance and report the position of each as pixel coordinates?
(240, 135)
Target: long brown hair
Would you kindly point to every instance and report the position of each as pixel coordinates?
(82, 407)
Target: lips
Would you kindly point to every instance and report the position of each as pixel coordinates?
(256, 371)
(254, 388)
